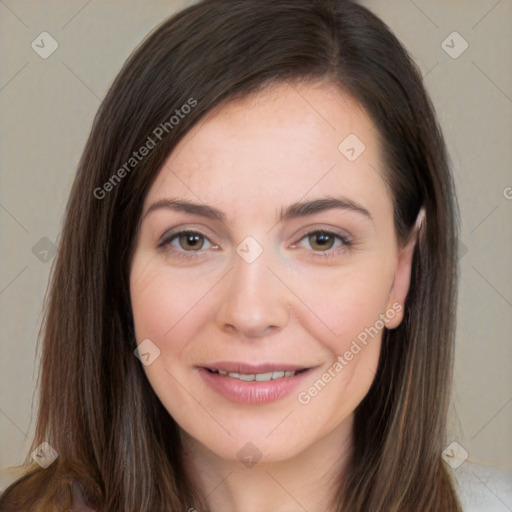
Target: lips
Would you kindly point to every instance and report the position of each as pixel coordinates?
(260, 377)
(239, 367)
(235, 369)
(252, 383)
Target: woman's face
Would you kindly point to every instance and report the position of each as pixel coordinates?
(289, 263)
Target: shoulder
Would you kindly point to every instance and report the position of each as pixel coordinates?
(483, 488)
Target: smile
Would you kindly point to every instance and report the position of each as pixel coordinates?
(260, 377)
(252, 384)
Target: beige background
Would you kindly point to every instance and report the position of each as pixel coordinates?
(47, 110)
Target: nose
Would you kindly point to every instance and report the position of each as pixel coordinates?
(254, 303)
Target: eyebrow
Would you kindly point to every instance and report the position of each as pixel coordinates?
(295, 210)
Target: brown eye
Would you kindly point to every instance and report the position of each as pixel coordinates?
(320, 241)
(186, 242)
(325, 243)
(191, 241)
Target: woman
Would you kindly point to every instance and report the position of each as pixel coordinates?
(253, 304)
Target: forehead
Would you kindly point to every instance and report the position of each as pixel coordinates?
(279, 145)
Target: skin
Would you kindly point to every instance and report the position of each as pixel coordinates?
(250, 159)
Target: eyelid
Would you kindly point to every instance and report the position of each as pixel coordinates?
(168, 237)
(331, 252)
(330, 230)
(178, 230)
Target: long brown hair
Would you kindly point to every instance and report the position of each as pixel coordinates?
(97, 409)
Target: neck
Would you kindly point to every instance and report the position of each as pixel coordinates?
(307, 481)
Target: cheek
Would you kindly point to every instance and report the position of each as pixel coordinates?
(351, 303)
(166, 305)
(169, 309)
(352, 308)
(337, 306)
(346, 304)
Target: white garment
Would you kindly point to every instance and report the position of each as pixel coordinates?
(484, 488)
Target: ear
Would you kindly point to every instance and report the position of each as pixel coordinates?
(402, 275)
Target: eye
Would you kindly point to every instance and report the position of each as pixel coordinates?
(186, 242)
(323, 241)
(190, 244)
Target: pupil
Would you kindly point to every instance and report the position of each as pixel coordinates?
(191, 240)
(323, 240)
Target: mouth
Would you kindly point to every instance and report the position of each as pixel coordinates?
(259, 377)
(252, 384)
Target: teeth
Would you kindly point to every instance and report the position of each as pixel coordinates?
(264, 376)
(260, 377)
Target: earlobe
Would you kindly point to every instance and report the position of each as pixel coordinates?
(402, 275)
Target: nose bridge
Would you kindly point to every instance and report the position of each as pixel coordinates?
(254, 301)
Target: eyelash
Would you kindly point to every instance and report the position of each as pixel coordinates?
(328, 254)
